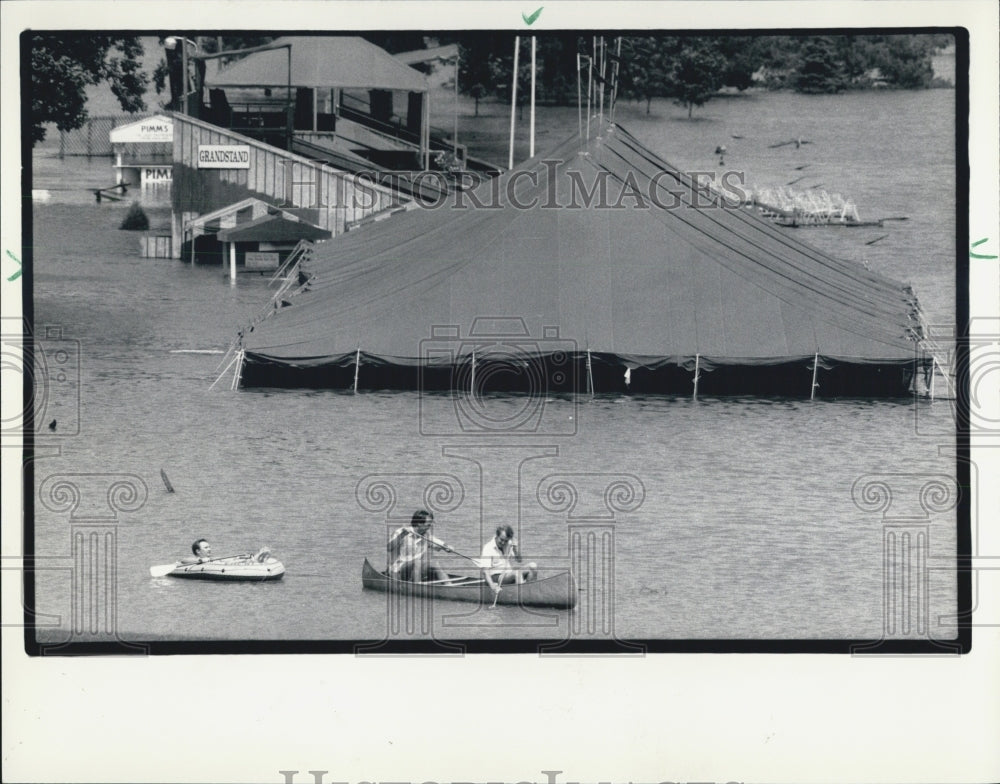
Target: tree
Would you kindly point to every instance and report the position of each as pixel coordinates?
(688, 69)
(695, 74)
(478, 92)
(170, 68)
(487, 59)
(644, 68)
(744, 55)
(854, 53)
(819, 70)
(905, 61)
(63, 66)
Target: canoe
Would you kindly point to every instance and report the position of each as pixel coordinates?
(240, 567)
(557, 591)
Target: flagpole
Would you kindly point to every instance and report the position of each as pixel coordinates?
(531, 145)
(513, 100)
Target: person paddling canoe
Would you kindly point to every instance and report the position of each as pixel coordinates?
(496, 560)
(409, 550)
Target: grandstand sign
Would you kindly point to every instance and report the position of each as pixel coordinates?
(223, 156)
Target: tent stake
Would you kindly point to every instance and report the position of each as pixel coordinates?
(590, 375)
(357, 368)
(697, 374)
(812, 391)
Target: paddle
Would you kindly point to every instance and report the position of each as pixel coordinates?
(496, 595)
(466, 557)
(469, 558)
(165, 569)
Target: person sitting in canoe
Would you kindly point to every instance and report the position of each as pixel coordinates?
(496, 560)
(409, 550)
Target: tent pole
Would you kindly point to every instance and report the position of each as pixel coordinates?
(531, 122)
(697, 374)
(357, 368)
(600, 123)
(236, 356)
(614, 84)
(232, 262)
(184, 79)
(455, 140)
(238, 374)
(513, 100)
(590, 88)
(812, 391)
(590, 375)
(427, 130)
(288, 105)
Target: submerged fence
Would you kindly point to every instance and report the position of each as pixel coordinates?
(93, 138)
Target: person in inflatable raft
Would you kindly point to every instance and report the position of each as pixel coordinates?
(203, 552)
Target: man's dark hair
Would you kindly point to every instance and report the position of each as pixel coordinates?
(420, 516)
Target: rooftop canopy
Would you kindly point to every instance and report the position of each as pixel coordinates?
(322, 62)
(658, 277)
(273, 228)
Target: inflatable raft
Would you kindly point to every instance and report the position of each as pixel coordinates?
(240, 567)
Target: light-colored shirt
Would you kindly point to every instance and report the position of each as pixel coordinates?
(494, 559)
(410, 546)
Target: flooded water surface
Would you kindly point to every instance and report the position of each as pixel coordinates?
(720, 518)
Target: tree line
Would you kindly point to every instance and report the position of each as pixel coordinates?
(690, 69)
(686, 69)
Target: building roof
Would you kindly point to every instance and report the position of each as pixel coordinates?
(273, 228)
(158, 128)
(322, 62)
(676, 280)
(434, 54)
